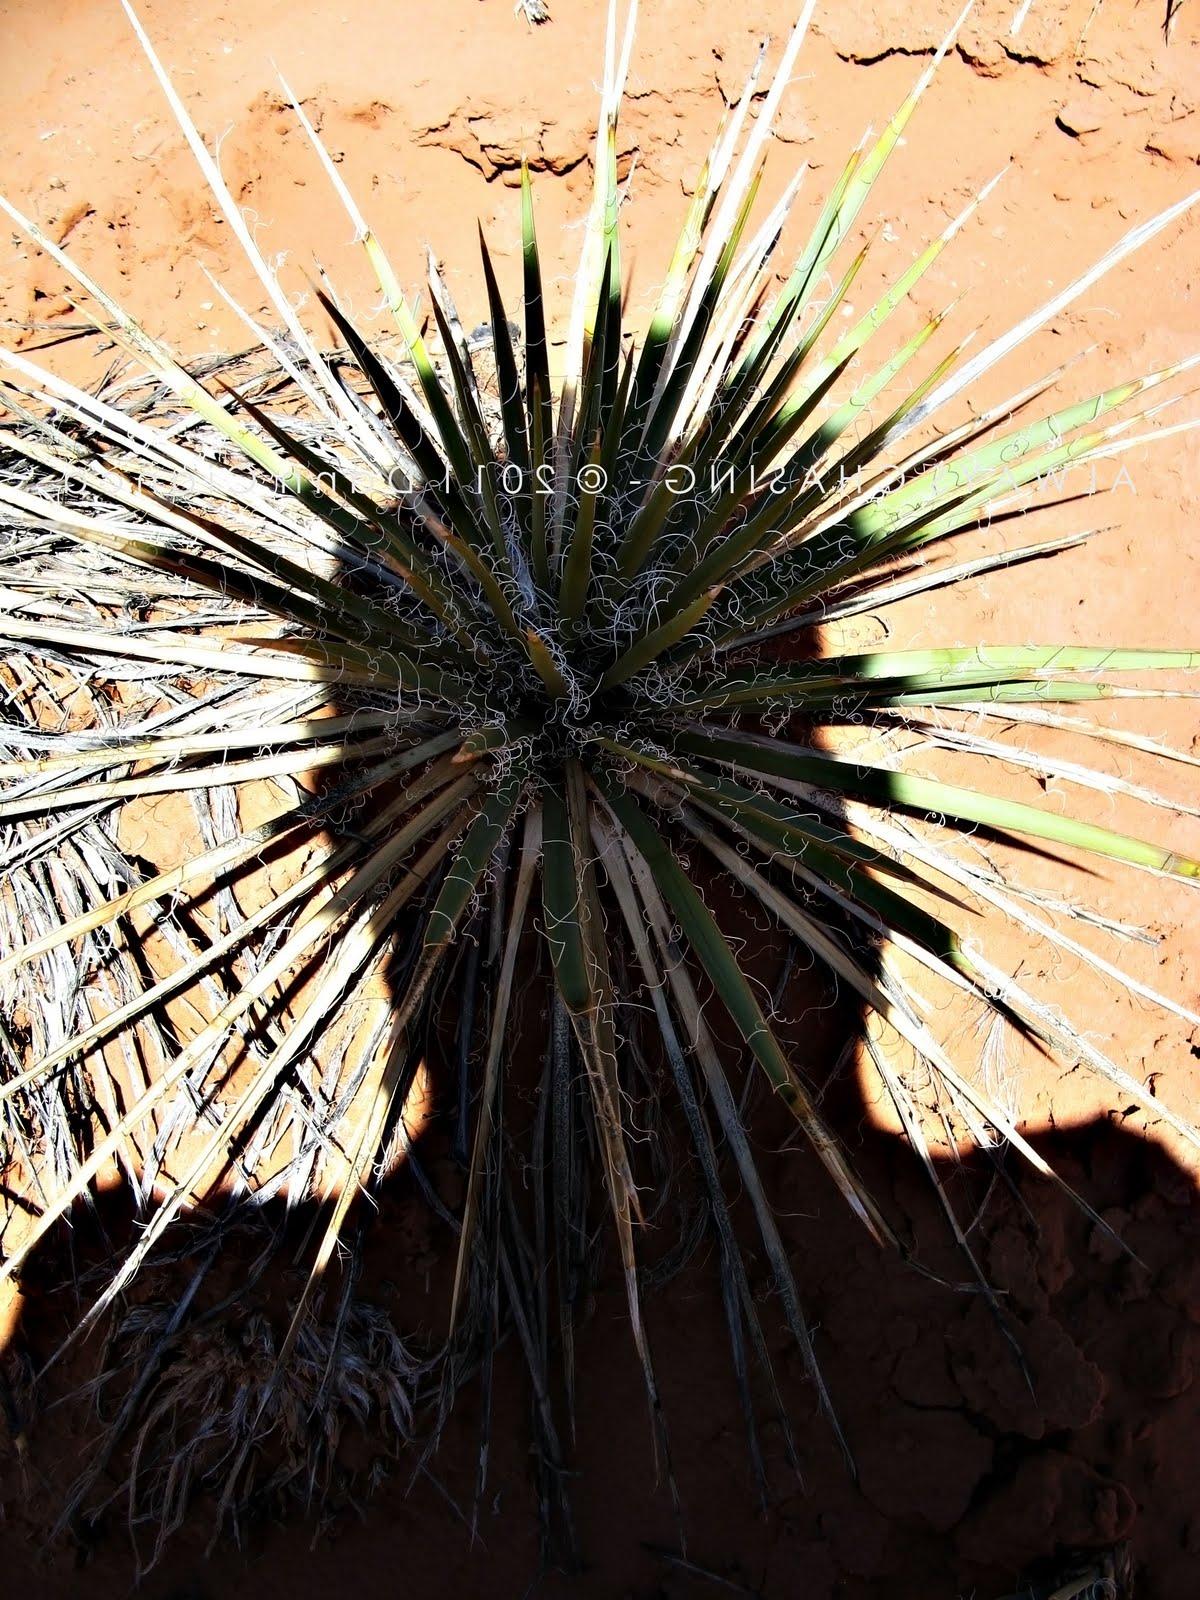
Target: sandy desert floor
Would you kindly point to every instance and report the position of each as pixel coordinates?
(966, 1479)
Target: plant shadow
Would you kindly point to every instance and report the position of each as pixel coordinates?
(976, 1470)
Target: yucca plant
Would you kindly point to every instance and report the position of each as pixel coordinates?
(524, 624)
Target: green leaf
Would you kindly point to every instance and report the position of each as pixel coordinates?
(884, 787)
(714, 954)
(560, 902)
(472, 859)
(577, 567)
(537, 358)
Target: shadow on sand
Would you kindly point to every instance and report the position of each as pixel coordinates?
(974, 1476)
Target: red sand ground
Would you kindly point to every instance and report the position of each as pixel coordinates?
(965, 1477)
